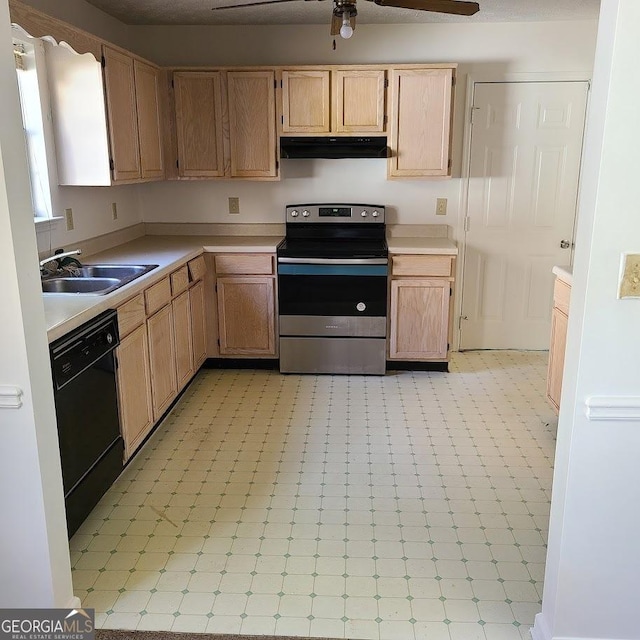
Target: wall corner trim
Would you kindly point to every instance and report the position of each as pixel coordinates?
(10, 397)
(626, 409)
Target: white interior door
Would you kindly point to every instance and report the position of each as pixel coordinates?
(526, 146)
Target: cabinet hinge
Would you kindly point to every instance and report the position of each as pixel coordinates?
(275, 84)
(386, 83)
(281, 84)
(453, 81)
(115, 361)
(103, 62)
(277, 164)
(112, 166)
(385, 119)
(449, 164)
(218, 341)
(448, 345)
(173, 86)
(281, 119)
(450, 291)
(467, 223)
(177, 164)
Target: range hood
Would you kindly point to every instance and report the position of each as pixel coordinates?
(337, 147)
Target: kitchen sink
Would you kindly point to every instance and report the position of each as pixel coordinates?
(95, 279)
(119, 271)
(80, 285)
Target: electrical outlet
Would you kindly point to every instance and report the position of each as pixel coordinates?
(114, 210)
(68, 216)
(630, 280)
(234, 205)
(441, 207)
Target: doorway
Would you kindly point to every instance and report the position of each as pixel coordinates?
(524, 169)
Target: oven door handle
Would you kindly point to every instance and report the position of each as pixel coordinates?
(333, 261)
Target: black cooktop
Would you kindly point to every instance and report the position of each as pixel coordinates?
(332, 248)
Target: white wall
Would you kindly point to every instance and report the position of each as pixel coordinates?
(34, 552)
(591, 581)
(484, 50)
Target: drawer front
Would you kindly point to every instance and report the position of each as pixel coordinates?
(197, 268)
(245, 264)
(157, 296)
(130, 315)
(561, 296)
(179, 281)
(412, 265)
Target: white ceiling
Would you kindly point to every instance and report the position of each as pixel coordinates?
(182, 12)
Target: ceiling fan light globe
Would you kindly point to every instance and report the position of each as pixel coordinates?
(346, 31)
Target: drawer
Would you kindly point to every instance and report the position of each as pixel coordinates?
(179, 281)
(249, 264)
(157, 296)
(130, 315)
(412, 265)
(561, 296)
(197, 268)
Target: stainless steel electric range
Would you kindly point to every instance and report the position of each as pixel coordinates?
(332, 289)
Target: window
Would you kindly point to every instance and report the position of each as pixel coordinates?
(31, 72)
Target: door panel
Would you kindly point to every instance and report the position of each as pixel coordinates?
(525, 157)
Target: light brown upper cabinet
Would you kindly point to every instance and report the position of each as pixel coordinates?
(252, 124)
(305, 101)
(421, 109)
(347, 100)
(133, 112)
(198, 100)
(359, 101)
(147, 83)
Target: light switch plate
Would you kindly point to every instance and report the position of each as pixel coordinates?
(234, 205)
(114, 210)
(630, 276)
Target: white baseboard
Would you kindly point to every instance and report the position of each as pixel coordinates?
(540, 631)
(74, 603)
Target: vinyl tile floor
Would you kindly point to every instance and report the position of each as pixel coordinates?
(412, 506)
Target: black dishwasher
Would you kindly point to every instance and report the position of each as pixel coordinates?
(84, 384)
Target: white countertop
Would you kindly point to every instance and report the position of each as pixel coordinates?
(66, 312)
(424, 246)
(564, 273)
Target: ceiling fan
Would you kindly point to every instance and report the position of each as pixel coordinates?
(343, 18)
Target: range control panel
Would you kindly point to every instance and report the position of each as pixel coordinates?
(351, 213)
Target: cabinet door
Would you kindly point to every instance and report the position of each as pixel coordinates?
(162, 360)
(182, 337)
(252, 123)
(359, 101)
(246, 313)
(119, 83)
(419, 324)
(559, 322)
(198, 102)
(305, 102)
(198, 326)
(420, 122)
(147, 81)
(134, 389)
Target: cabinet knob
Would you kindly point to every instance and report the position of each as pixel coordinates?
(294, 214)
(564, 244)
(364, 214)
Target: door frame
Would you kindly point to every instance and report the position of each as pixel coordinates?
(460, 229)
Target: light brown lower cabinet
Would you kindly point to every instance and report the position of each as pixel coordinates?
(419, 319)
(181, 308)
(134, 389)
(246, 315)
(557, 347)
(198, 324)
(162, 360)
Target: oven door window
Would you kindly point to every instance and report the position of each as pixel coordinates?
(314, 292)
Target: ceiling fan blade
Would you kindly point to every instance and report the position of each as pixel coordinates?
(457, 7)
(336, 23)
(249, 4)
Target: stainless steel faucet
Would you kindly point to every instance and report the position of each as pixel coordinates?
(58, 256)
